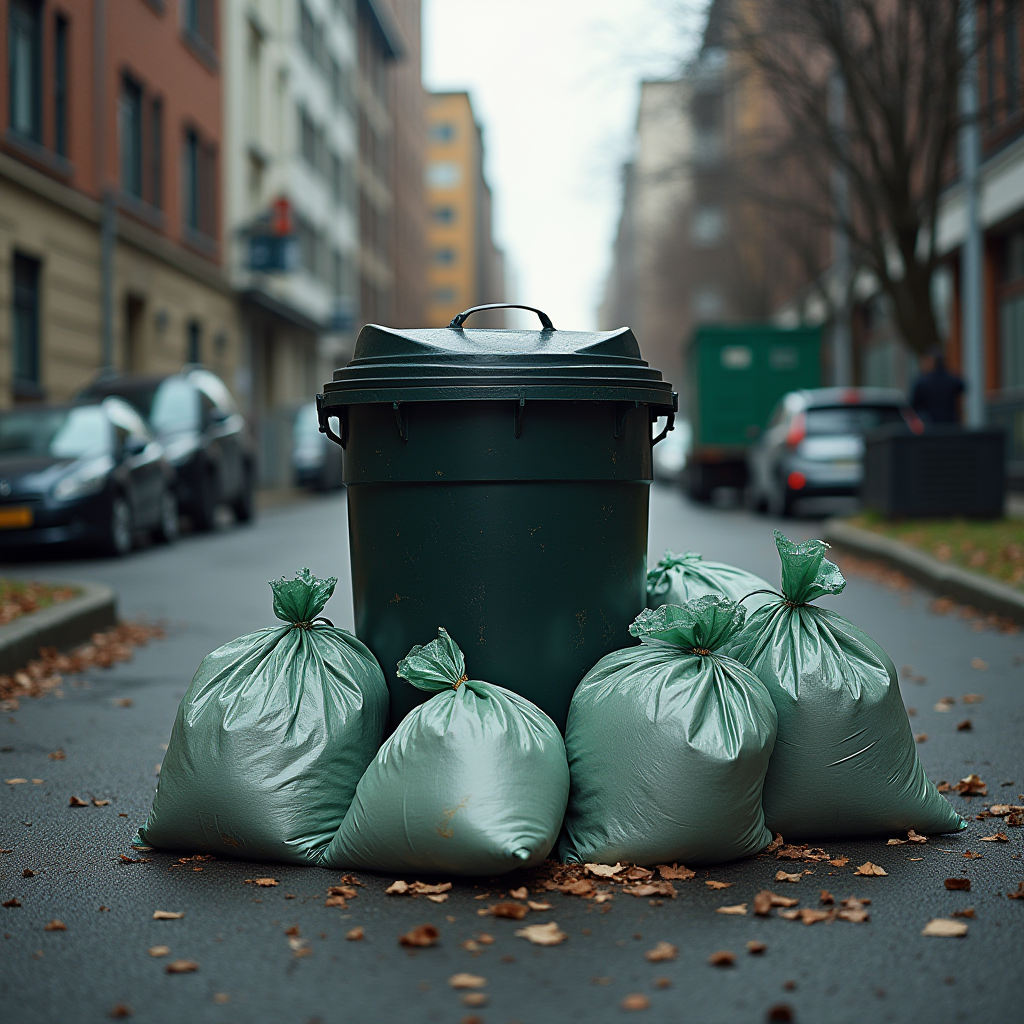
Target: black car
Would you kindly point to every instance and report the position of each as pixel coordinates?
(194, 416)
(90, 474)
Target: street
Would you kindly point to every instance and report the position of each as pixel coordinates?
(209, 589)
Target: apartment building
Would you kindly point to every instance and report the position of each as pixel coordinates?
(111, 244)
(466, 268)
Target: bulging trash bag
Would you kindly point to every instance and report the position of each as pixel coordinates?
(272, 737)
(845, 763)
(678, 579)
(472, 782)
(668, 745)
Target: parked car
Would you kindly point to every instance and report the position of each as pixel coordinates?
(90, 474)
(670, 454)
(813, 445)
(194, 416)
(316, 460)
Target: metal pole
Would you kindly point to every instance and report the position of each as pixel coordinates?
(972, 331)
(842, 347)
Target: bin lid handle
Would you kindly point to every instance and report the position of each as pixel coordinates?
(545, 320)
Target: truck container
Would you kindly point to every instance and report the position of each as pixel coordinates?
(734, 375)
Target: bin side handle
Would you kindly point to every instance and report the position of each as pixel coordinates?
(669, 424)
(324, 419)
(545, 321)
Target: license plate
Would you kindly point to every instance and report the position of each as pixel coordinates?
(16, 518)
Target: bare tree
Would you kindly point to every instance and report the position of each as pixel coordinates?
(899, 63)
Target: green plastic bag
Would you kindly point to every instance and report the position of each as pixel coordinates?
(678, 579)
(845, 763)
(272, 737)
(668, 745)
(472, 782)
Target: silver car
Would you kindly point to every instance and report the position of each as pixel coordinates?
(813, 445)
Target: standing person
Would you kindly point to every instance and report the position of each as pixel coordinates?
(936, 393)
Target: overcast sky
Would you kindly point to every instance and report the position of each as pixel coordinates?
(554, 84)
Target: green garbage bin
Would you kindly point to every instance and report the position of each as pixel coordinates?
(498, 486)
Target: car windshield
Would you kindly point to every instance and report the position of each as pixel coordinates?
(77, 433)
(169, 404)
(850, 419)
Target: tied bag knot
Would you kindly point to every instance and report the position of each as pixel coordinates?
(436, 666)
(700, 627)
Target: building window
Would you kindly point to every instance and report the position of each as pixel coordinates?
(445, 257)
(338, 272)
(308, 139)
(443, 131)
(337, 178)
(198, 17)
(443, 174)
(443, 214)
(198, 185)
(307, 32)
(156, 152)
(60, 85)
(24, 29)
(25, 328)
(195, 342)
(253, 82)
(129, 126)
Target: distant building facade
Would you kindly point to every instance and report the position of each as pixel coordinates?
(111, 244)
(466, 268)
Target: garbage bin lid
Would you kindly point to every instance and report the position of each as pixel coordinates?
(455, 364)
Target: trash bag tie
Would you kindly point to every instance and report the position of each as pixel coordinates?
(312, 622)
(458, 682)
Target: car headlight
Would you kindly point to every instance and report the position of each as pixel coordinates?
(87, 479)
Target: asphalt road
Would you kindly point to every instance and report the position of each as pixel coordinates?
(213, 588)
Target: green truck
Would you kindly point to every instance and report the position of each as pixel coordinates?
(734, 375)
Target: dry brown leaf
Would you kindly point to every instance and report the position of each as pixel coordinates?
(398, 888)
(221, 998)
(869, 869)
(963, 884)
(514, 911)
(354, 934)
(100, 803)
(542, 934)
(602, 897)
(765, 900)
(913, 837)
(263, 883)
(972, 785)
(605, 870)
(635, 1001)
(582, 887)
(756, 948)
(787, 876)
(12, 902)
(15, 782)
(973, 856)
(123, 702)
(738, 909)
(839, 862)
(775, 843)
(535, 905)
(134, 860)
(336, 901)
(807, 915)
(964, 726)
(462, 980)
(29, 873)
(712, 884)
(437, 897)
(424, 935)
(57, 755)
(946, 704)
(422, 889)
(55, 926)
(181, 967)
(474, 999)
(943, 928)
(76, 802)
(808, 853)
(652, 889)
(636, 873)
(484, 939)
(1018, 895)
(159, 950)
(998, 837)
(972, 698)
(662, 951)
(120, 1011)
(921, 737)
(519, 894)
(856, 916)
(723, 958)
(345, 891)
(675, 872)
(979, 664)
(168, 915)
(827, 898)
(966, 912)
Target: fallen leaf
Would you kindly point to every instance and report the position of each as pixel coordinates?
(856, 916)
(168, 915)
(635, 1001)
(75, 802)
(973, 856)
(263, 883)
(159, 950)
(336, 901)
(354, 934)
(943, 928)
(712, 884)
(542, 934)
(756, 948)
(963, 884)
(134, 860)
(484, 939)
(808, 853)
(675, 872)
(534, 905)
(867, 868)
(921, 737)
(475, 999)
(775, 843)
(972, 698)
(601, 897)
(583, 887)
(12, 902)
(424, 935)
(946, 704)
(29, 873)
(123, 702)
(662, 951)
(55, 926)
(826, 897)
(514, 911)
(342, 890)
(605, 870)
(636, 873)
(723, 958)
(15, 782)
(57, 755)
(964, 726)
(971, 786)
(181, 967)
(220, 998)
(662, 982)
(780, 1013)
(1018, 895)
(979, 664)
(653, 889)
(467, 981)
(786, 876)
(943, 786)
(807, 915)
(100, 803)
(38, 782)
(422, 889)
(765, 900)
(519, 894)
(913, 837)
(120, 1011)
(966, 912)
(293, 931)
(397, 888)
(739, 909)
(438, 898)
(998, 837)
(839, 862)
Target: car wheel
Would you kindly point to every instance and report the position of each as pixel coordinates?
(205, 508)
(244, 506)
(167, 529)
(120, 528)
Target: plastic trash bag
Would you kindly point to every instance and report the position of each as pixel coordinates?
(845, 763)
(472, 782)
(668, 745)
(272, 737)
(678, 579)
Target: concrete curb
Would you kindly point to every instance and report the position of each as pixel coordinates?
(947, 580)
(61, 625)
